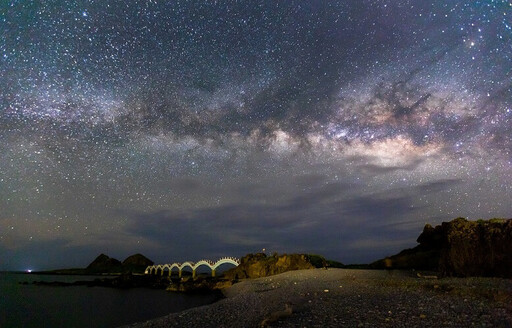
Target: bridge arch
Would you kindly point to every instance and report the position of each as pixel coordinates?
(168, 267)
(174, 266)
(154, 269)
(190, 265)
(226, 260)
(205, 263)
(161, 268)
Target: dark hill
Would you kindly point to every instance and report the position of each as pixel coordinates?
(136, 263)
(104, 264)
(137, 260)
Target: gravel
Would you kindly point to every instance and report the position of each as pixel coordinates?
(353, 298)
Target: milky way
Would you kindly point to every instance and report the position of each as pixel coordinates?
(201, 129)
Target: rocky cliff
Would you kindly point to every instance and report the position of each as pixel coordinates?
(260, 265)
(460, 248)
(476, 248)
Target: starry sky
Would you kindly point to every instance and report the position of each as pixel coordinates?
(200, 129)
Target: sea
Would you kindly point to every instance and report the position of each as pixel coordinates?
(28, 305)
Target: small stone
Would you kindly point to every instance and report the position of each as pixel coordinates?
(326, 290)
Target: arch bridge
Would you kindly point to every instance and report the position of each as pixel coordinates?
(160, 268)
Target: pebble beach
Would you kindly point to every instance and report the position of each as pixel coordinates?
(353, 298)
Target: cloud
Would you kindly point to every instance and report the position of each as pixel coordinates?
(328, 219)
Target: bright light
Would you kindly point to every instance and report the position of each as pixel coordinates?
(29, 270)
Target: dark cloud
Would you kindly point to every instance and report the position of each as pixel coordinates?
(322, 220)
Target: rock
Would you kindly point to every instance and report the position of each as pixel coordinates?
(104, 264)
(136, 263)
(277, 315)
(259, 265)
(477, 248)
(137, 260)
(460, 248)
(199, 285)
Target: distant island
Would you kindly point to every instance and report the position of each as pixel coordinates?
(103, 264)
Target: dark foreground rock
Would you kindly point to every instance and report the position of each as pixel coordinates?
(460, 248)
(199, 285)
(352, 298)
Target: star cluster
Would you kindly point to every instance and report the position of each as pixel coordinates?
(191, 129)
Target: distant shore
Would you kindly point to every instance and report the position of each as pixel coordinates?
(352, 298)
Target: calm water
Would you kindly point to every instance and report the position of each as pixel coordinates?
(80, 306)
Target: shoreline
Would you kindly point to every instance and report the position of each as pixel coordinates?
(352, 298)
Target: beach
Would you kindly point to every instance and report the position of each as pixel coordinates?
(353, 298)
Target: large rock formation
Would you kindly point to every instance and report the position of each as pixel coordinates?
(137, 261)
(481, 248)
(460, 248)
(260, 265)
(104, 264)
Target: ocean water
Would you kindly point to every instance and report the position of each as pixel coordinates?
(81, 306)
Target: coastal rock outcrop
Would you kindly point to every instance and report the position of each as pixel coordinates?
(476, 248)
(137, 260)
(460, 248)
(260, 265)
(103, 264)
(252, 266)
(136, 263)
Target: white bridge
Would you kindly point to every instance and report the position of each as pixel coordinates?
(160, 268)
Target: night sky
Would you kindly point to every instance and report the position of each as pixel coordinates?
(200, 129)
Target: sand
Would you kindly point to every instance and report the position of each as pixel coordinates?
(353, 298)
